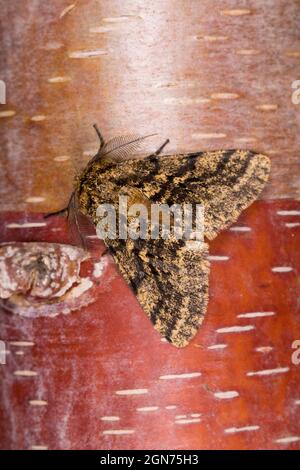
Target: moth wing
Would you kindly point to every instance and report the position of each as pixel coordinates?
(241, 178)
(170, 281)
(225, 182)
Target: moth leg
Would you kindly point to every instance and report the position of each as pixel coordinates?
(160, 149)
(99, 135)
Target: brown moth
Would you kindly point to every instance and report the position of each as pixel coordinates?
(169, 279)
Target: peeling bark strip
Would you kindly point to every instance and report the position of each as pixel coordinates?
(42, 279)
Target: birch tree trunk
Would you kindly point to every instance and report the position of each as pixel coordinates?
(207, 74)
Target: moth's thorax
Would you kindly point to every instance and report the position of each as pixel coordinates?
(97, 185)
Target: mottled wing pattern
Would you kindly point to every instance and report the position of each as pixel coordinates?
(170, 282)
(225, 182)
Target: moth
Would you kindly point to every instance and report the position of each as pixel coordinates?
(169, 279)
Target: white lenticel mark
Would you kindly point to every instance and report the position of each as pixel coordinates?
(180, 416)
(236, 12)
(67, 10)
(121, 19)
(238, 228)
(241, 429)
(61, 158)
(7, 113)
(297, 402)
(278, 370)
(186, 100)
(38, 118)
(59, 79)
(267, 107)
(110, 418)
(189, 375)
(218, 346)
(118, 432)
(293, 53)
(188, 421)
(101, 29)
(292, 225)
(52, 45)
(212, 135)
(27, 225)
(287, 213)
(19, 353)
(236, 329)
(38, 403)
(38, 447)
(256, 314)
(226, 395)
(246, 140)
(34, 199)
(247, 52)
(282, 269)
(25, 373)
(137, 391)
(195, 415)
(264, 349)
(218, 258)
(224, 96)
(288, 439)
(22, 343)
(171, 407)
(213, 38)
(87, 54)
(146, 409)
